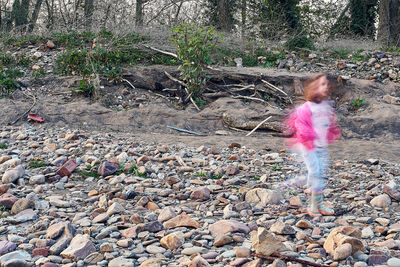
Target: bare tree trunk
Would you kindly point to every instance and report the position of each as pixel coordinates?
(50, 14)
(24, 14)
(139, 13)
(224, 16)
(35, 15)
(89, 8)
(389, 26)
(244, 16)
(104, 23)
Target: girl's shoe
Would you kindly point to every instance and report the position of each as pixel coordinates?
(317, 205)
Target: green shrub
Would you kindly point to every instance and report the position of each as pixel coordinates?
(299, 41)
(3, 146)
(194, 44)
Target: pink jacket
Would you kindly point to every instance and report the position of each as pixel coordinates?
(300, 122)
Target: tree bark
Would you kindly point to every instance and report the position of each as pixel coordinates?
(35, 15)
(89, 8)
(50, 14)
(224, 15)
(244, 16)
(389, 26)
(139, 13)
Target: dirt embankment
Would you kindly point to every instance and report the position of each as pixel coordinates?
(371, 130)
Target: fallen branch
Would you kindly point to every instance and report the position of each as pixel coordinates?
(184, 130)
(275, 256)
(27, 111)
(261, 123)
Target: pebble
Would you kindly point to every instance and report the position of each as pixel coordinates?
(171, 217)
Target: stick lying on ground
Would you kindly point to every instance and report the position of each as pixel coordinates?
(255, 128)
(184, 130)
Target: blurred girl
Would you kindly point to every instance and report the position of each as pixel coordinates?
(314, 127)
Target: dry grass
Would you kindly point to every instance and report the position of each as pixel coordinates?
(349, 44)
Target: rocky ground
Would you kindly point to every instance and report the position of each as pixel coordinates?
(126, 190)
(133, 203)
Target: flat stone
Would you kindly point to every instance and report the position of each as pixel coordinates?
(192, 250)
(6, 247)
(79, 248)
(263, 196)
(121, 262)
(228, 226)
(155, 249)
(21, 205)
(381, 201)
(181, 220)
(15, 255)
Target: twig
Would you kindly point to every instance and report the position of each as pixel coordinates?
(243, 88)
(180, 161)
(185, 86)
(255, 128)
(274, 256)
(152, 158)
(183, 130)
(161, 51)
(27, 111)
(175, 79)
(273, 87)
(128, 82)
(250, 98)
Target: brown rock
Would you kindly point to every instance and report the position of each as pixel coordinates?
(295, 201)
(227, 226)
(342, 252)
(231, 170)
(22, 204)
(181, 220)
(243, 252)
(166, 214)
(173, 240)
(265, 243)
(7, 200)
(50, 44)
(222, 240)
(381, 201)
(151, 263)
(79, 248)
(304, 224)
(201, 193)
(341, 235)
(55, 230)
(198, 261)
(394, 194)
(4, 188)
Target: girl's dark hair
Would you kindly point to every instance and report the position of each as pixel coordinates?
(310, 86)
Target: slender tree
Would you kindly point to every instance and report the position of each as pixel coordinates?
(89, 8)
(225, 20)
(139, 12)
(35, 15)
(389, 26)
